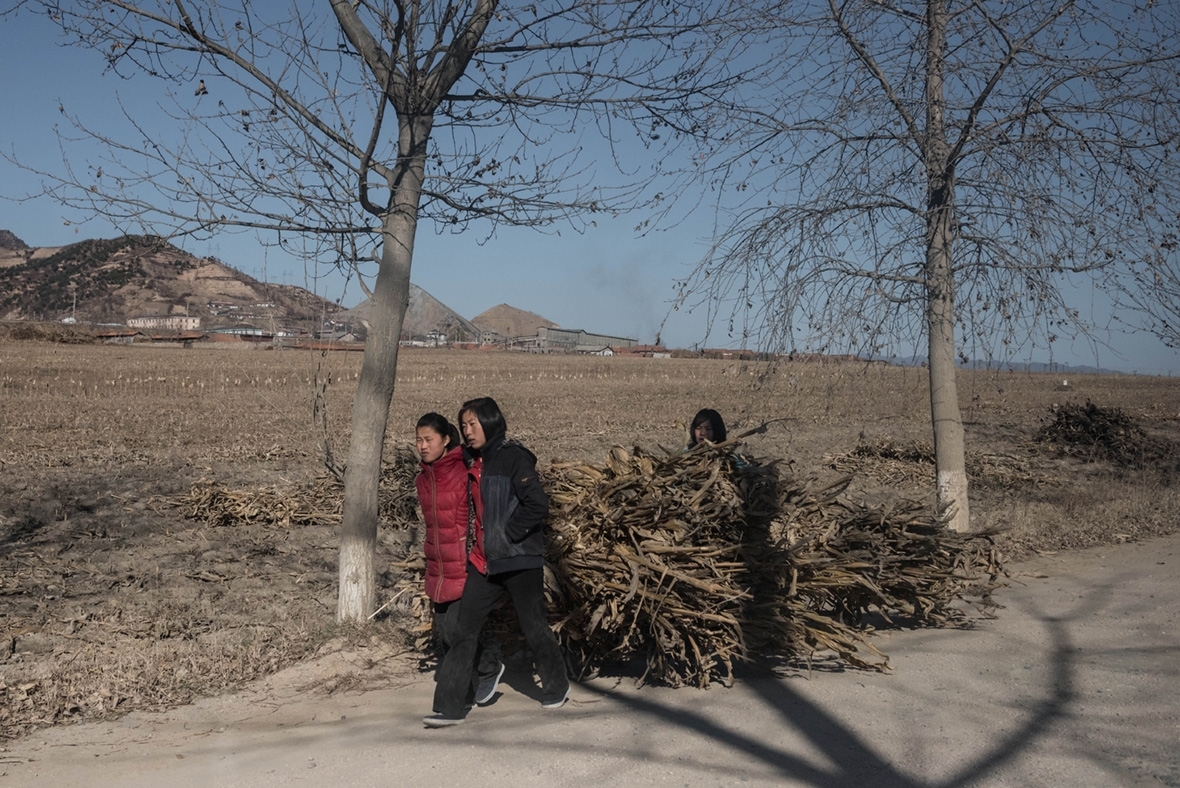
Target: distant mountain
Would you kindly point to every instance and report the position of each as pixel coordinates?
(110, 281)
(1009, 366)
(10, 243)
(424, 315)
(508, 321)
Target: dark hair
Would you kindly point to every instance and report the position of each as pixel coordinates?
(488, 414)
(714, 419)
(439, 423)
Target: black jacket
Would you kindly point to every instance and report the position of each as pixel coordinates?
(514, 507)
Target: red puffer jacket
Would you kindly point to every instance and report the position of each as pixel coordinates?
(442, 492)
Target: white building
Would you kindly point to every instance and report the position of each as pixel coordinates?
(174, 322)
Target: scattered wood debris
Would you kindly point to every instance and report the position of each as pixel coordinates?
(912, 464)
(320, 503)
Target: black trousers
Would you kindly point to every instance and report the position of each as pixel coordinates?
(446, 627)
(480, 594)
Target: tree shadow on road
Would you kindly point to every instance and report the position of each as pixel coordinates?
(857, 761)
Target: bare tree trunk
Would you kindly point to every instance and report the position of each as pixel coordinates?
(370, 415)
(949, 445)
(415, 98)
(370, 410)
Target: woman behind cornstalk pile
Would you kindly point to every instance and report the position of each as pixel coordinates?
(506, 555)
(707, 425)
(444, 494)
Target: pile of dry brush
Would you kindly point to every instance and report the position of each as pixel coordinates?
(320, 503)
(1097, 434)
(692, 561)
(912, 464)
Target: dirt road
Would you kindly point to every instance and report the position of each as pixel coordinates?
(1074, 684)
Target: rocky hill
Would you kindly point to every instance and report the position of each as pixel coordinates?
(10, 243)
(424, 315)
(508, 321)
(110, 281)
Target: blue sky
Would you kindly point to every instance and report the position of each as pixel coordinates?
(607, 280)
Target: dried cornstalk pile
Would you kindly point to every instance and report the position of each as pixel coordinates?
(888, 462)
(1098, 434)
(647, 559)
(693, 560)
(846, 559)
(397, 498)
(407, 602)
(912, 464)
(317, 503)
(212, 504)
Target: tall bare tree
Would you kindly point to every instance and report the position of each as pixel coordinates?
(352, 121)
(907, 168)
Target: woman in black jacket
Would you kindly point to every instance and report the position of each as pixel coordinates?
(506, 554)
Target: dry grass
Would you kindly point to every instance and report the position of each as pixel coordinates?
(96, 571)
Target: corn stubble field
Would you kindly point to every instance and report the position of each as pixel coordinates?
(114, 596)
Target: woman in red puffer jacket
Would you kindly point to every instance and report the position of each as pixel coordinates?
(445, 499)
(442, 493)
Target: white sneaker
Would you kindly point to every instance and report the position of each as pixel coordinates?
(557, 704)
(440, 721)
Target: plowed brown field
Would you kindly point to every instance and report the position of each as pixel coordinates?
(112, 600)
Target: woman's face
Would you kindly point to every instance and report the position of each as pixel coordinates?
(703, 431)
(430, 444)
(472, 430)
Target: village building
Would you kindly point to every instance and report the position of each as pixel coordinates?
(579, 341)
(172, 322)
